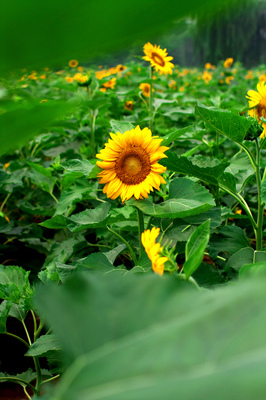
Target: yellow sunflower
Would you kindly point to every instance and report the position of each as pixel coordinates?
(73, 63)
(153, 249)
(146, 89)
(130, 164)
(257, 104)
(158, 58)
(228, 62)
(128, 105)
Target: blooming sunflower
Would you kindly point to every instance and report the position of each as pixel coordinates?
(130, 164)
(73, 63)
(158, 58)
(257, 104)
(153, 249)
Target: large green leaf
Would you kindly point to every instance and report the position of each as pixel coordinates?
(204, 168)
(195, 248)
(42, 345)
(143, 337)
(186, 198)
(37, 35)
(225, 122)
(18, 126)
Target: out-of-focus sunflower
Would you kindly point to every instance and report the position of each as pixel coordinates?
(257, 104)
(158, 58)
(73, 63)
(128, 105)
(130, 164)
(153, 249)
(228, 62)
(146, 89)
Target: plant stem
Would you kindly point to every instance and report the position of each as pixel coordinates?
(20, 381)
(126, 243)
(50, 379)
(151, 98)
(260, 203)
(4, 202)
(53, 196)
(141, 229)
(93, 119)
(19, 338)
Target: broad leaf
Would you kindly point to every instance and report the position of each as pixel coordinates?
(121, 126)
(42, 345)
(225, 122)
(195, 248)
(186, 198)
(147, 318)
(83, 166)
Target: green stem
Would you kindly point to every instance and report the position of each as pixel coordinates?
(4, 202)
(55, 199)
(51, 379)
(20, 381)
(36, 362)
(141, 229)
(126, 243)
(151, 98)
(93, 119)
(250, 156)
(243, 203)
(18, 338)
(260, 203)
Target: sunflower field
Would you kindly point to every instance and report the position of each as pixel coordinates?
(132, 231)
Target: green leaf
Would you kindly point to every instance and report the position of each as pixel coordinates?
(186, 198)
(263, 191)
(241, 257)
(89, 219)
(56, 222)
(18, 126)
(171, 137)
(97, 262)
(143, 324)
(121, 126)
(228, 240)
(37, 37)
(253, 269)
(42, 345)
(204, 168)
(14, 283)
(5, 307)
(83, 166)
(195, 248)
(225, 122)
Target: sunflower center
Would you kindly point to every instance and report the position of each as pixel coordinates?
(133, 165)
(261, 110)
(157, 59)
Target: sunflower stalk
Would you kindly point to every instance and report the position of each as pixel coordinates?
(260, 202)
(151, 98)
(141, 230)
(131, 251)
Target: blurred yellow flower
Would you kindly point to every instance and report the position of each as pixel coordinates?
(228, 79)
(228, 62)
(158, 58)
(207, 76)
(43, 76)
(110, 84)
(128, 105)
(146, 89)
(80, 68)
(257, 104)
(73, 63)
(130, 164)
(43, 101)
(69, 79)
(249, 75)
(262, 78)
(181, 89)
(153, 249)
(172, 84)
(6, 165)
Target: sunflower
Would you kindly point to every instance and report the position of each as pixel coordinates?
(158, 58)
(146, 89)
(130, 164)
(153, 249)
(73, 63)
(257, 104)
(128, 105)
(228, 62)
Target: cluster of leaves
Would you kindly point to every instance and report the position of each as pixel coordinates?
(57, 225)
